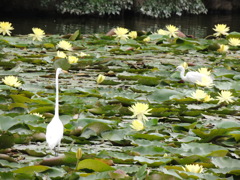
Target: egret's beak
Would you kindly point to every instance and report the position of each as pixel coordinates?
(64, 71)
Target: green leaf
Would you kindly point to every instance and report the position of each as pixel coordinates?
(234, 34)
(6, 140)
(7, 122)
(213, 134)
(6, 175)
(236, 85)
(149, 150)
(186, 126)
(34, 152)
(141, 173)
(94, 165)
(20, 45)
(224, 85)
(85, 121)
(20, 99)
(235, 134)
(55, 173)
(118, 174)
(152, 162)
(5, 87)
(227, 124)
(74, 36)
(33, 88)
(201, 106)
(156, 36)
(17, 105)
(148, 81)
(32, 169)
(43, 109)
(224, 72)
(48, 45)
(161, 95)
(5, 163)
(115, 135)
(225, 162)
(201, 149)
(150, 136)
(97, 127)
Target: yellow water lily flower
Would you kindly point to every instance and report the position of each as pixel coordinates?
(121, 33)
(132, 34)
(198, 95)
(185, 65)
(225, 96)
(72, 59)
(100, 78)
(64, 45)
(166, 155)
(223, 48)
(147, 39)
(194, 168)
(11, 81)
(38, 34)
(5, 28)
(82, 54)
(61, 54)
(206, 81)
(140, 110)
(207, 98)
(37, 114)
(234, 42)
(172, 30)
(221, 29)
(204, 71)
(137, 125)
(162, 32)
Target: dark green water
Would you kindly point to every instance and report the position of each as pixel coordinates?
(197, 25)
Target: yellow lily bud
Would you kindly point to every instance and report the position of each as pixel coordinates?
(100, 78)
(79, 154)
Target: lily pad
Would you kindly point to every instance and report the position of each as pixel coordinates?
(94, 165)
(32, 169)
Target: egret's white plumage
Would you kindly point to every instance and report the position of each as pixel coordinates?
(191, 76)
(55, 128)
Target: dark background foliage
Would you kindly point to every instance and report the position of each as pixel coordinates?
(152, 8)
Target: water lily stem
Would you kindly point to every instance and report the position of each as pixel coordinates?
(77, 164)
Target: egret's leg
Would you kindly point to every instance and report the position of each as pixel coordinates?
(55, 150)
(58, 149)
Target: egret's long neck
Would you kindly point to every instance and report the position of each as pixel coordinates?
(182, 74)
(56, 99)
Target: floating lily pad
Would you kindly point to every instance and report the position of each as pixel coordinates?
(94, 165)
(32, 169)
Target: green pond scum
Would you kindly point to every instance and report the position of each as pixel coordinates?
(126, 113)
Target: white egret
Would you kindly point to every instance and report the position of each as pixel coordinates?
(55, 128)
(191, 76)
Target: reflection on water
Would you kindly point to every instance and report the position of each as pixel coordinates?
(197, 25)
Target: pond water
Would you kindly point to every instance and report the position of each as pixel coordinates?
(197, 25)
